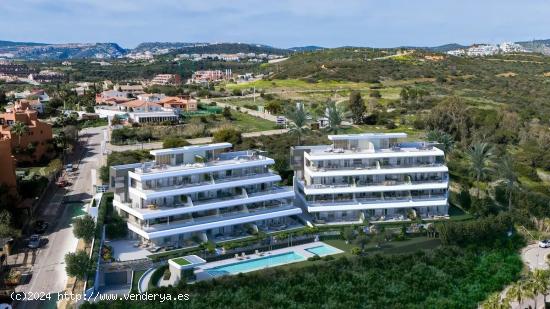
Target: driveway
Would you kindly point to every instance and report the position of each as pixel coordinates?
(535, 257)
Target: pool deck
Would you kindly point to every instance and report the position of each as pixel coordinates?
(202, 274)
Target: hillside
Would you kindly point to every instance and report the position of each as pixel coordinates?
(519, 80)
(36, 51)
(155, 47)
(233, 48)
(5, 44)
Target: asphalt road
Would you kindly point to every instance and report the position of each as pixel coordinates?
(48, 272)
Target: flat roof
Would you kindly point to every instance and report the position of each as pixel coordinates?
(190, 148)
(367, 136)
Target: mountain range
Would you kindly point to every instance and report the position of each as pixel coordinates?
(45, 51)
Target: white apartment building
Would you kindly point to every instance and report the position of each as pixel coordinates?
(373, 177)
(201, 193)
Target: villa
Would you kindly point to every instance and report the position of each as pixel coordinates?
(370, 177)
(200, 193)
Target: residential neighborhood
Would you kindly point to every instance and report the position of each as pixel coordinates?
(296, 154)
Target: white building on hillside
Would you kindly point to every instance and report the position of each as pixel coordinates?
(372, 177)
(201, 193)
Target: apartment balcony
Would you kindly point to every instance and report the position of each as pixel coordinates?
(205, 223)
(358, 170)
(362, 183)
(377, 203)
(151, 170)
(331, 153)
(208, 204)
(384, 186)
(182, 189)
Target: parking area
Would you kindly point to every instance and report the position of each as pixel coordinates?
(535, 257)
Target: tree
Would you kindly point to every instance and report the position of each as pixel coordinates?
(494, 302)
(538, 284)
(445, 139)
(298, 118)
(404, 95)
(516, 293)
(357, 107)
(3, 98)
(227, 112)
(174, 142)
(375, 94)
(89, 109)
(508, 176)
(451, 116)
(229, 135)
(19, 128)
(6, 230)
(479, 157)
(78, 264)
(335, 116)
(274, 107)
(84, 228)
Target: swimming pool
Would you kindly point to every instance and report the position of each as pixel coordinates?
(255, 264)
(322, 250)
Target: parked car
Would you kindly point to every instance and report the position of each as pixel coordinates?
(69, 168)
(40, 227)
(545, 243)
(63, 183)
(34, 241)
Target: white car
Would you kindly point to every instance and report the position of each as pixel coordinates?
(545, 243)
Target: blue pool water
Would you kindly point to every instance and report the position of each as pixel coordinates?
(251, 265)
(322, 250)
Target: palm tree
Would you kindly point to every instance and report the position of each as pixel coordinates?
(335, 116)
(19, 128)
(539, 283)
(479, 156)
(495, 302)
(508, 175)
(516, 292)
(445, 139)
(298, 117)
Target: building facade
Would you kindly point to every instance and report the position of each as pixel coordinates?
(194, 194)
(166, 79)
(370, 177)
(32, 145)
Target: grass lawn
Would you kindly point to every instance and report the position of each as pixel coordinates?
(181, 261)
(393, 247)
(137, 276)
(248, 123)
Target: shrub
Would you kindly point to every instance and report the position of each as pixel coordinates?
(174, 142)
(167, 274)
(314, 258)
(157, 274)
(355, 250)
(230, 135)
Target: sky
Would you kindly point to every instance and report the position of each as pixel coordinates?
(280, 23)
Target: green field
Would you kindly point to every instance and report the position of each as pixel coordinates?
(248, 123)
